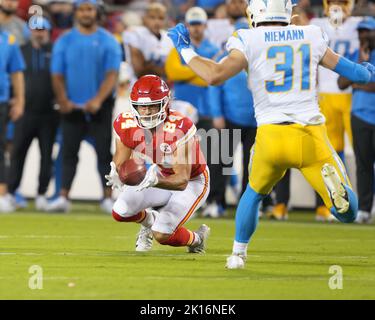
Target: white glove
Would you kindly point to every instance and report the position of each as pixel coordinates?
(151, 178)
(113, 178)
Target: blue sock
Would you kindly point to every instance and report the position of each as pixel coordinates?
(247, 215)
(351, 214)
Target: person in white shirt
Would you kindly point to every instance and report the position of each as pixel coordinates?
(149, 45)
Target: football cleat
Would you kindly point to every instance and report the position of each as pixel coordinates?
(279, 212)
(322, 214)
(235, 261)
(203, 233)
(41, 203)
(7, 204)
(211, 211)
(61, 204)
(144, 240)
(363, 217)
(18, 200)
(336, 189)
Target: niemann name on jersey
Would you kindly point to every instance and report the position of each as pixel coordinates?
(285, 35)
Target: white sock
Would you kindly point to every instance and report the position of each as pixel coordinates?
(240, 248)
(149, 219)
(197, 239)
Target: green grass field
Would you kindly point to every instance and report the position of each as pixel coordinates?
(87, 255)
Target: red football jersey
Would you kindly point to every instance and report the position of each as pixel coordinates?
(157, 145)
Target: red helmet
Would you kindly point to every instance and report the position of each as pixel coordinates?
(150, 90)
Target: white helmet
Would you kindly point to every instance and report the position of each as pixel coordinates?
(269, 11)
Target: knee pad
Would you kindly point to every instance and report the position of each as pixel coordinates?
(121, 209)
(138, 217)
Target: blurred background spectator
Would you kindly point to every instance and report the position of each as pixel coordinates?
(11, 22)
(187, 85)
(11, 74)
(40, 120)
(85, 64)
(61, 12)
(149, 45)
(363, 122)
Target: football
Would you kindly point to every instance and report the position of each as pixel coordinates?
(132, 172)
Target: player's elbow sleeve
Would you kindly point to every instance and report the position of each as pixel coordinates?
(352, 71)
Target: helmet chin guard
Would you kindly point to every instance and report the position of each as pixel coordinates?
(150, 121)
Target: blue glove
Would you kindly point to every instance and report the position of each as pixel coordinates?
(180, 37)
(370, 68)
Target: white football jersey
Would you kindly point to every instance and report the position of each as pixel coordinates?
(153, 49)
(282, 68)
(344, 41)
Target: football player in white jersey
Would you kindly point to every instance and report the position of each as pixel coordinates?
(148, 46)
(282, 62)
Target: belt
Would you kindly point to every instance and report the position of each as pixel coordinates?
(285, 123)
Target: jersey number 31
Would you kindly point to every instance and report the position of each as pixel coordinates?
(287, 67)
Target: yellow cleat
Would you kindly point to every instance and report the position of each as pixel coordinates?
(279, 212)
(323, 214)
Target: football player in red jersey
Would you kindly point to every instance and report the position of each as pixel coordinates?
(176, 183)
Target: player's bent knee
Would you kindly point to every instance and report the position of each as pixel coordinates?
(162, 238)
(138, 217)
(120, 211)
(116, 216)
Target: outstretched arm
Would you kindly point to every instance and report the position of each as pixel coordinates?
(211, 71)
(358, 73)
(216, 73)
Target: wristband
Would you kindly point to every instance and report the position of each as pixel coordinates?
(352, 71)
(187, 54)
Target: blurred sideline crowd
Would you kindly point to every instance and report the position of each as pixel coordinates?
(66, 69)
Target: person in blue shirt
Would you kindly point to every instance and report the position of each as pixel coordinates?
(363, 122)
(187, 86)
(84, 67)
(11, 73)
(209, 5)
